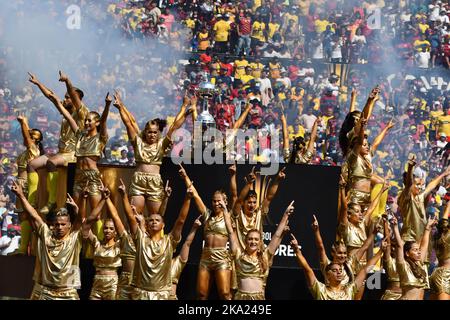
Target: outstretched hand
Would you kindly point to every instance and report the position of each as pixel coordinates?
(117, 99)
(17, 189)
(251, 177)
(71, 202)
(315, 224)
(167, 189)
(63, 77)
(108, 99)
(282, 174)
(33, 78)
(290, 209)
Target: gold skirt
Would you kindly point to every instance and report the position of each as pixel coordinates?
(92, 178)
(41, 292)
(148, 185)
(391, 295)
(360, 197)
(140, 294)
(124, 289)
(244, 295)
(440, 280)
(104, 287)
(215, 259)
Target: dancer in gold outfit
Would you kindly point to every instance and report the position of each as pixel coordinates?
(333, 289)
(127, 247)
(66, 146)
(440, 279)
(57, 272)
(412, 270)
(106, 252)
(32, 139)
(253, 262)
(353, 222)
(179, 262)
(147, 188)
(247, 215)
(215, 261)
(351, 263)
(300, 154)
(393, 290)
(154, 251)
(412, 203)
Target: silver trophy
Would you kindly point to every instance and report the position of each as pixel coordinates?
(206, 90)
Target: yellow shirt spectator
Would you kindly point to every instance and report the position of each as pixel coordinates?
(444, 124)
(423, 27)
(258, 31)
(203, 40)
(240, 68)
(257, 68)
(418, 44)
(273, 27)
(321, 25)
(221, 29)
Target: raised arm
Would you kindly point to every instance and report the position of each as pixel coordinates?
(234, 242)
(184, 253)
(165, 200)
(381, 136)
(284, 126)
(447, 211)
(361, 135)
(362, 274)
(343, 214)
(74, 97)
(233, 185)
(126, 117)
(36, 219)
(103, 128)
(366, 245)
(368, 108)
(197, 199)
(435, 182)
(353, 101)
(319, 242)
(240, 121)
(313, 137)
(179, 223)
(49, 94)
(251, 177)
(94, 215)
(426, 238)
(273, 190)
(127, 208)
(276, 238)
(180, 118)
(27, 141)
(309, 273)
(78, 219)
(112, 211)
(399, 257)
(409, 173)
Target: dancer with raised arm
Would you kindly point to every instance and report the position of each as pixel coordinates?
(66, 146)
(412, 270)
(57, 272)
(106, 252)
(32, 140)
(333, 289)
(253, 261)
(150, 147)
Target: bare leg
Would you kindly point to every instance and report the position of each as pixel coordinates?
(152, 206)
(443, 296)
(138, 202)
(203, 283)
(223, 283)
(37, 163)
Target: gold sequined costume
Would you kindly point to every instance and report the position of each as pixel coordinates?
(152, 268)
(145, 184)
(105, 258)
(127, 253)
(57, 271)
